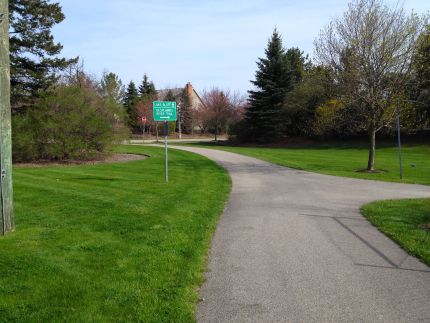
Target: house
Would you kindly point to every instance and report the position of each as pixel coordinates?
(186, 118)
(193, 97)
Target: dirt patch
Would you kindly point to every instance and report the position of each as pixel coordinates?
(114, 158)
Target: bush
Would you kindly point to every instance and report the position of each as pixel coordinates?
(172, 128)
(240, 131)
(335, 120)
(69, 123)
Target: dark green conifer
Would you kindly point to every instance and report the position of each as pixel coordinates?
(33, 52)
(147, 88)
(272, 82)
(130, 102)
(186, 112)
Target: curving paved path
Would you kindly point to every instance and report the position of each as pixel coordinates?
(293, 247)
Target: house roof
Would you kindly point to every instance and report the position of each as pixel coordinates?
(163, 93)
(177, 92)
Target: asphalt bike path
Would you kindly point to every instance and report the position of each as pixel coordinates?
(292, 246)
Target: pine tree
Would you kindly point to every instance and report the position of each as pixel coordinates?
(272, 82)
(170, 97)
(33, 51)
(297, 63)
(130, 102)
(147, 88)
(186, 112)
(111, 87)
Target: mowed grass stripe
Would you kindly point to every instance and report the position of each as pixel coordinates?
(111, 242)
(346, 159)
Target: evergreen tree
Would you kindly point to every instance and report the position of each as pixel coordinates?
(147, 88)
(111, 87)
(272, 82)
(297, 63)
(185, 112)
(130, 102)
(170, 97)
(33, 51)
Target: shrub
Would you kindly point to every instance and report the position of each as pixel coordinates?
(239, 131)
(68, 123)
(335, 120)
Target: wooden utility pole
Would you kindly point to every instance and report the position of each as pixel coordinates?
(6, 192)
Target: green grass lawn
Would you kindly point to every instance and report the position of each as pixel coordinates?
(346, 159)
(405, 221)
(110, 242)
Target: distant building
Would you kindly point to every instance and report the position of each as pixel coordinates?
(193, 97)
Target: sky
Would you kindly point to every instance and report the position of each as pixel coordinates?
(210, 43)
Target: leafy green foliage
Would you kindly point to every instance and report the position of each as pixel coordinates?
(70, 122)
(305, 97)
(406, 221)
(422, 79)
(111, 242)
(33, 51)
(335, 120)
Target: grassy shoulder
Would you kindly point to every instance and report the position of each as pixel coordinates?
(111, 242)
(405, 221)
(346, 159)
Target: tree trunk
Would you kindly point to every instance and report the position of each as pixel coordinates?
(216, 133)
(372, 137)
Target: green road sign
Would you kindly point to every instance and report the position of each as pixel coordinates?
(164, 111)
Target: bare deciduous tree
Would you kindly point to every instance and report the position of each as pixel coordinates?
(220, 108)
(144, 110)
(369, 51)
(201, 117)
(75, 75)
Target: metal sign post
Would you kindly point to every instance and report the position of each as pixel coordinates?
(399, 143)
(165, 112)
(166, 133)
